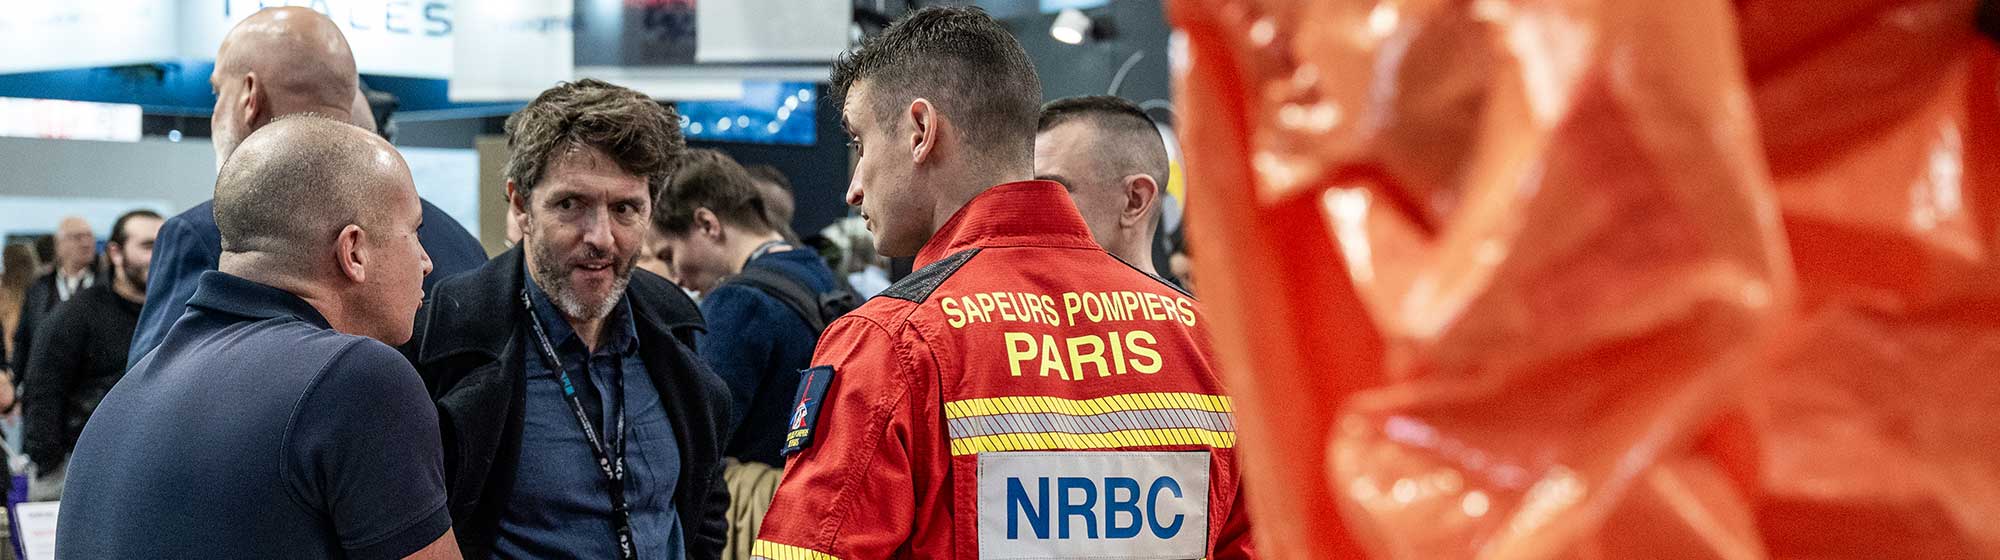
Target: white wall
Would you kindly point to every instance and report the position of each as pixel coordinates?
(41, 181)
(449, 179)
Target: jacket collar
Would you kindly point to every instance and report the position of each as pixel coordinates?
(477, 311)
(225, 293)
(1034, 213)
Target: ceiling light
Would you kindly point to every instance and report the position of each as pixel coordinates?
(1071, 26)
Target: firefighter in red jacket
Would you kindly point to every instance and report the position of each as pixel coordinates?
(1023, 394)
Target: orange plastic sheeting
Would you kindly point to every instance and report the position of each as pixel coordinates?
(1557, 272)
(1555, 255)
(1880, 412)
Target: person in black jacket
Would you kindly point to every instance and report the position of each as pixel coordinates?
(79, 353)
(76, 270)
(577, 420)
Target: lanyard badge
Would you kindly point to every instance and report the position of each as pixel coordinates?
(610, 459)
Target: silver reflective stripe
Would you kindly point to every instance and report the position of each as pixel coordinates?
(1105, 423)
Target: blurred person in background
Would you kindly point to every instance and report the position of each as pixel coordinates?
(849, 249)
(765, 299)
(277, 420)
(76, 251)
(79, 353)
(18, 266)
(1114, 162)
(780, 202)
(277, 62)
(654, 256)
(581, 422)
(1180, 259)
(1183, 268)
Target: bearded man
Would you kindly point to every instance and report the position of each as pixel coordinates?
(577, 420)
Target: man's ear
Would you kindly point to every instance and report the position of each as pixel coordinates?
(1142, 193)
(352, 254)
(515, 198)
(115, 252)
(707, 224)
(924, 132)
(251, 100)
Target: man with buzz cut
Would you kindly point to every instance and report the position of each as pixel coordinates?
(1114, 162)
(1022, 394)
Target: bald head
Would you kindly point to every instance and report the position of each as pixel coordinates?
(293, 185)
(326, 211)
(72, 224)
(277, 62)
(75, 245)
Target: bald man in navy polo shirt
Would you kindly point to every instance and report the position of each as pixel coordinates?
(275, 420)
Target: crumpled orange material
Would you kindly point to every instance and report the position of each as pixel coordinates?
(1602, 279)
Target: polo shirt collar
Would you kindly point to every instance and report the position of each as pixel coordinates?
(226, 293)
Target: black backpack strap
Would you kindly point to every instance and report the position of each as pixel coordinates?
(802, 300)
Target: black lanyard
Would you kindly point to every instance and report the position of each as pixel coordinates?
(612, 466)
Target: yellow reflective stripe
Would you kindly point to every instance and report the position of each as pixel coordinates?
(1043, 441)
(767, 550)
(1115, 403)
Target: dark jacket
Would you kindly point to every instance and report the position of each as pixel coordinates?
(38, 302)
(759, 343)
(79, 354)
(468, 347)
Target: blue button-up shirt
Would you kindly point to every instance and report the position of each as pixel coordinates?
(561, 506)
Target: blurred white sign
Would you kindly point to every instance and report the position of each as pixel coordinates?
(771, 30)
(36, 522)
(70, 120)
(49, 35)
(390, 37)
(512, 50)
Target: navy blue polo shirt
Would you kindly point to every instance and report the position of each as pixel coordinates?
(257, 431)
(758, 345)
(561, 503)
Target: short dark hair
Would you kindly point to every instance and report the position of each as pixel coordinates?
(642, 136)
(118, 227)
(709, 179)
(960, 59)
(1109, 108)
(1119, 117)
